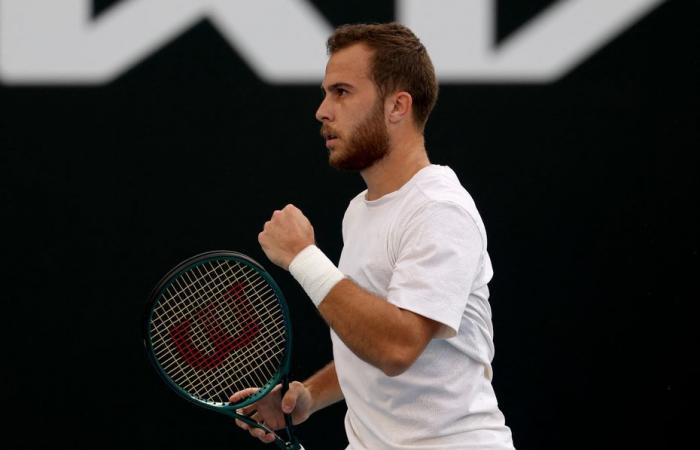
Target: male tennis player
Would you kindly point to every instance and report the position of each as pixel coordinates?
(408, 304)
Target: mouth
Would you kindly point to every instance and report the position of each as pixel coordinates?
(330, 138)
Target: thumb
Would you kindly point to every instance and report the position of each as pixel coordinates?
(289, 402)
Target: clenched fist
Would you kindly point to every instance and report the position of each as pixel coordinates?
(286, 234)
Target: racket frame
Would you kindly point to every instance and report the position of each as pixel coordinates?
(280, 377)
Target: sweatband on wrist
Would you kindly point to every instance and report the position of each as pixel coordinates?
(315, 273)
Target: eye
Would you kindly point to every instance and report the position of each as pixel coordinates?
(341, 92)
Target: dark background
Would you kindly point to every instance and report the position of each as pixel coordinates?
(587, 187)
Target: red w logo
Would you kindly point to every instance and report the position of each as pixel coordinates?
(224, 344)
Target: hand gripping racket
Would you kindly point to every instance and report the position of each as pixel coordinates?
(216, 324)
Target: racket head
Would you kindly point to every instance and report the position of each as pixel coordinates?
(209, 320)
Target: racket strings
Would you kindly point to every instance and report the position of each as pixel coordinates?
(254, 357)
(177, 301)
(247, 356)
(210, 324)
(181, 302)
(257, 379)
(218, 328)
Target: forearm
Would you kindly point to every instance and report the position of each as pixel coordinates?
(324, 388)
(375, 330)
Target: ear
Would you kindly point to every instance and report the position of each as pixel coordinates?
(399, 106)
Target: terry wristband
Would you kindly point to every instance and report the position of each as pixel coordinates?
(315, 273)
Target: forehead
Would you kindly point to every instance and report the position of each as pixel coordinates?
(349, 65)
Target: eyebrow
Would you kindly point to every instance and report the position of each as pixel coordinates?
(336, 86)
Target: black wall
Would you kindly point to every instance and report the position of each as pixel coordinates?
(587, 187)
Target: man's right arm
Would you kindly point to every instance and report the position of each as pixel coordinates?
(324, 388)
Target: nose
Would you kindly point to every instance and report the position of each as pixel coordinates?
(323, 113)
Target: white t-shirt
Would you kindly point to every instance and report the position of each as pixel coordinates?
(423, 248)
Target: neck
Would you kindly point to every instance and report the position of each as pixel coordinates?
(404, 159)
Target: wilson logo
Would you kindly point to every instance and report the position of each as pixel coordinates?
(207, 328)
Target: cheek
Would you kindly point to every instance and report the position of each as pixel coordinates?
(352, 111)
(354, 121)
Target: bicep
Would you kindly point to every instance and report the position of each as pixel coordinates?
(421, 329)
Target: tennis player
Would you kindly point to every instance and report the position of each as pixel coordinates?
(408, 303)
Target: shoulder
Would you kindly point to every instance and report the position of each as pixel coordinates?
(442, 220)
(439, 197)
(440, 184)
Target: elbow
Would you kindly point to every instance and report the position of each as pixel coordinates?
(393, 370)
(398, 362)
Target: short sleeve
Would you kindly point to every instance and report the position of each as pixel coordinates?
(439, 255)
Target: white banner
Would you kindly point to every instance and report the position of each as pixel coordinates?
(51, 42)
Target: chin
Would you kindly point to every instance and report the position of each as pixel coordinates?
(336, 162)
(334, 156)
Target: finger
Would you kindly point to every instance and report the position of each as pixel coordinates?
(268, 438)
(240, 395)
(247, 410)
(242, 424)
(289, 402)
(258, 433)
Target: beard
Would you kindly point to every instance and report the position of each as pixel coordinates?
(368, 143)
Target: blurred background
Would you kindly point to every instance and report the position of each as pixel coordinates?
(136, 133)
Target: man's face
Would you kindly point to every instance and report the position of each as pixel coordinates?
(352, 113)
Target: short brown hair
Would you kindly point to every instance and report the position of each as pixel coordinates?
(400, 62)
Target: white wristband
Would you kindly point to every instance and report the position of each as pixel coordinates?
(315, 273)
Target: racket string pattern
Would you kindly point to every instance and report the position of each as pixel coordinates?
(218, 328)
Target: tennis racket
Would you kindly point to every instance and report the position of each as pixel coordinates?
(216, 324)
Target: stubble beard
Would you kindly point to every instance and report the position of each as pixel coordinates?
(368, 143)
